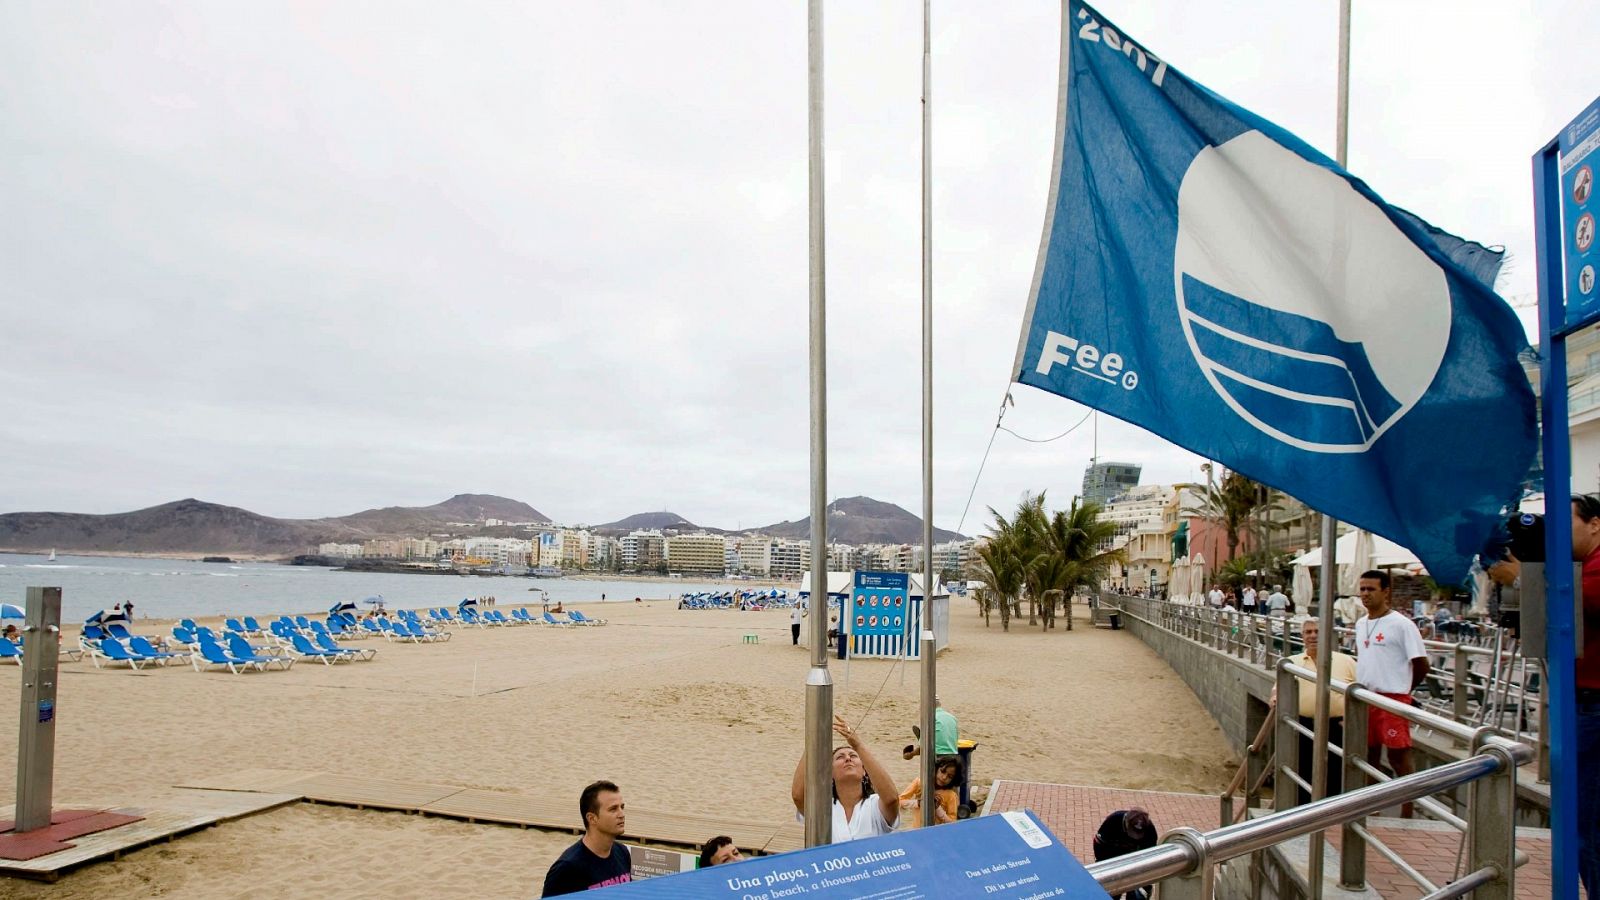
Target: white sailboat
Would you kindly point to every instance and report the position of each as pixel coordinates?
(52, 554)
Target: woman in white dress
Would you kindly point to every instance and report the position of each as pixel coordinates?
(866, 802)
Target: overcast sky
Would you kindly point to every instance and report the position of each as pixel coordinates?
(312, 258)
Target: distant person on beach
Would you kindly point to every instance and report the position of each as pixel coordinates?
(559, 608)
(719, 850)
(11, 633)
(1391, 660)
(947, 773)
(865, 800)
(1125, 831)
(794, 625)
(598, 859)
(1247, 600)
(127, 609)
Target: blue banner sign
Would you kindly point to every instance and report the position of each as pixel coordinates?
(1009, 856)
(1580, 157)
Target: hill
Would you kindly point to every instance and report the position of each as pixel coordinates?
(392, 520)
(863, 520)
(656, 520)
(184, 526)
(193, 526)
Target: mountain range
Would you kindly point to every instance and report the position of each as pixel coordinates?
(193, 526)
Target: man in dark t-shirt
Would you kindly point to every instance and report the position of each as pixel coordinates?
(598, 859)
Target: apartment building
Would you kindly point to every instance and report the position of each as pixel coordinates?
(698, 553)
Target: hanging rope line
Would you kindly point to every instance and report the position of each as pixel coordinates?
(1048, 439)
(999, 427)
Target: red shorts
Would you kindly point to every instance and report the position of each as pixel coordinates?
(1388, 729)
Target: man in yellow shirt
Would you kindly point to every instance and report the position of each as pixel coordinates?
(1342, 668)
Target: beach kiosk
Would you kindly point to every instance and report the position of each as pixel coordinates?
(884, 610)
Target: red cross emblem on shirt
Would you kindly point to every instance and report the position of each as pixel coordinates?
(1378, 637)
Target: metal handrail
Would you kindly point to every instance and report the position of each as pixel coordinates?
(1246, 640)
(1186, 852)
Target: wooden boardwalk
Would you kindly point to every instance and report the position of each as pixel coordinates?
(185, 811)
(684, 830)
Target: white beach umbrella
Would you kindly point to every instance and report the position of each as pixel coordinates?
(1302, 590)
(1359, 560)
(1178, 584)
(1197, 578)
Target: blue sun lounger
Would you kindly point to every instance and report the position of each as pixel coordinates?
(10, 651)
(212, 654)
(299, 644)
(144, 648)
(329, 644)
(552, 620)
(111, 650)
(239, 648)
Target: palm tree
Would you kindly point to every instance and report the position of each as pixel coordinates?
(1037, 551)
(1237, 505)
(999, 566)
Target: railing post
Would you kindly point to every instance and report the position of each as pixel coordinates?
(1352, 847)
(1544, 724)
(1458, 689)
(1491, 824)
(1197, 884)
(1286, 749)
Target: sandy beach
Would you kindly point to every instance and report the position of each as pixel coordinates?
(671, 704)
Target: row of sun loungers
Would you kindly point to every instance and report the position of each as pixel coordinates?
(491, 618)
(289, 639)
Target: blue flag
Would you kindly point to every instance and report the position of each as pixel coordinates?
(1210, 277)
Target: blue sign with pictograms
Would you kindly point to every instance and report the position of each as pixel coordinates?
(1009, 856)
(47, 711)
(879, 604)
(1580, 157)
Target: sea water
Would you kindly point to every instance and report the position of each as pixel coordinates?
(175, 588)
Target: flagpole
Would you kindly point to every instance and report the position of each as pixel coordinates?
(819, 682)
(925, 625)
(1327, 578)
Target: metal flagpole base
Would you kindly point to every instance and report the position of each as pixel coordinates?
(819, 756)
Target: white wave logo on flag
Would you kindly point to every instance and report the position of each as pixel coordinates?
(1312, 316)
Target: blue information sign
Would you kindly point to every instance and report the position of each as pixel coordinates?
(879, 604)
(1580, 160)
(1009, 856)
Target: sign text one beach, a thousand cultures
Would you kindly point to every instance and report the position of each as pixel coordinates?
(1009, 856)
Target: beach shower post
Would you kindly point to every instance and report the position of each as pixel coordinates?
(819, 681)
(36, 733)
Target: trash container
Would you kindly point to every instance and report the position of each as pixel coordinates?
(843, 638)
(964, 750)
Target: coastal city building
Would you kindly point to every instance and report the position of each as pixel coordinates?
(643, 549)
(339, 551)
(789, 558)
(698, 553)
(1104, 480)
(419, 548)
(755, 554)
